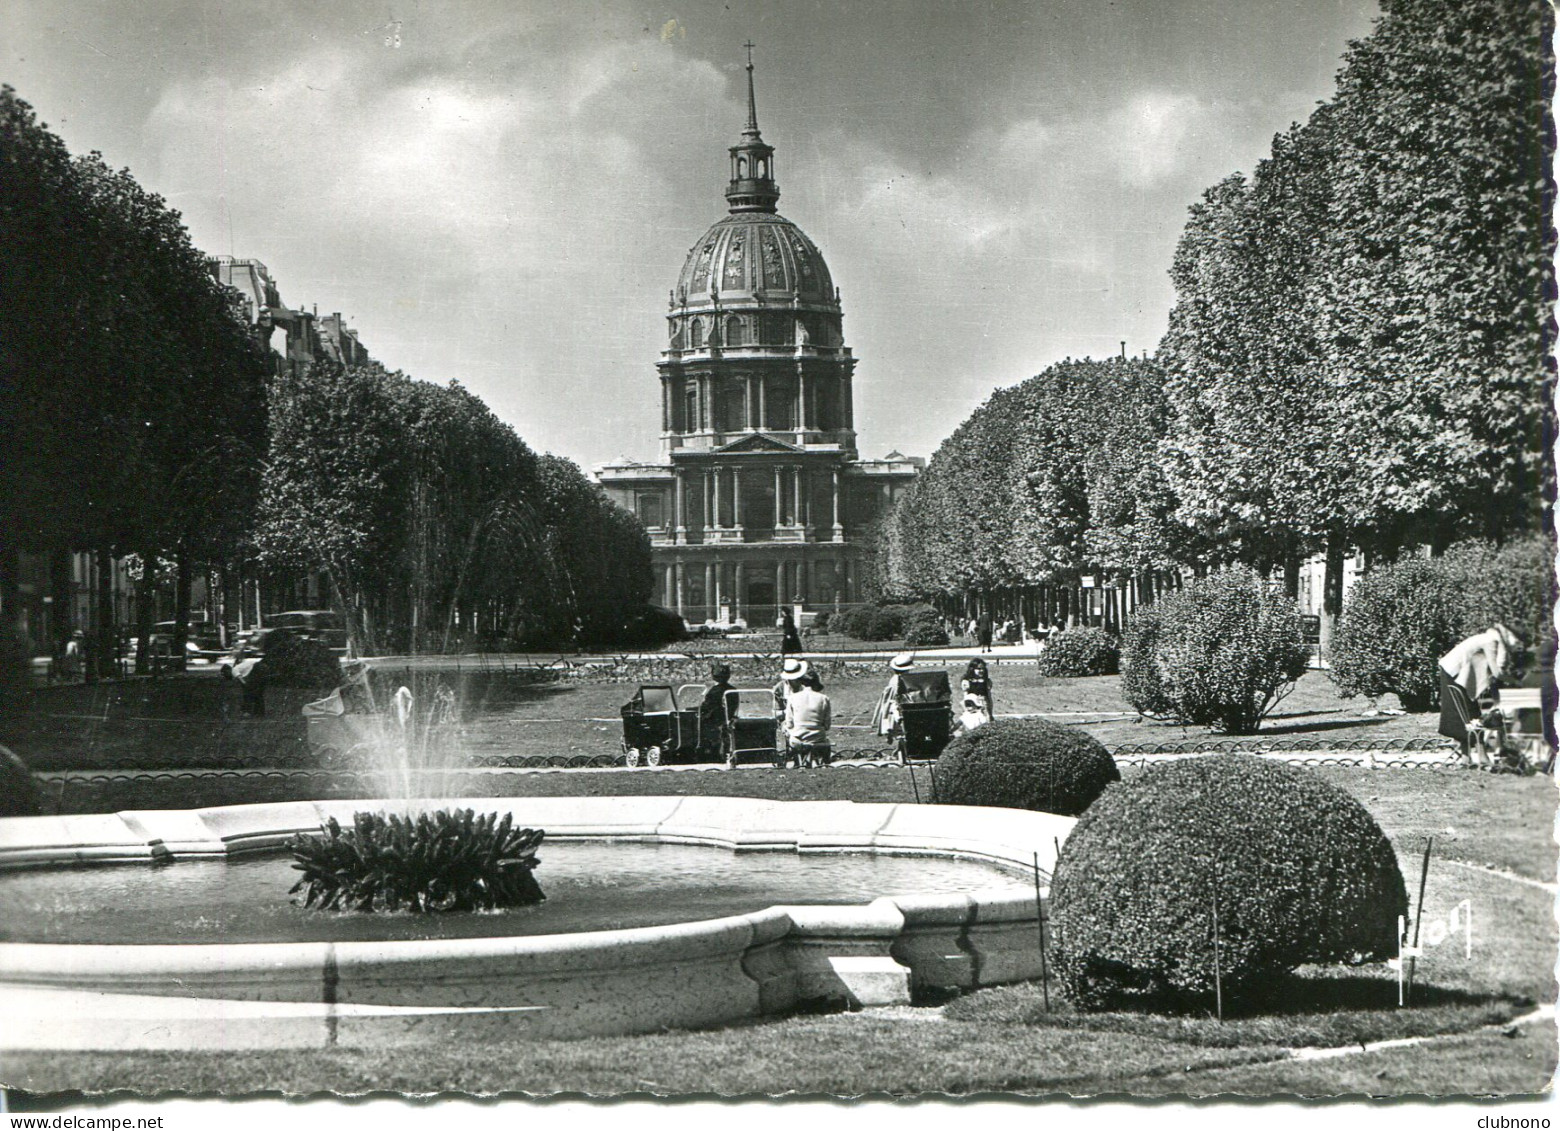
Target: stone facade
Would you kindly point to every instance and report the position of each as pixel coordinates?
(758, 499)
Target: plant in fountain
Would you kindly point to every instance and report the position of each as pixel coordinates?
(448, 860)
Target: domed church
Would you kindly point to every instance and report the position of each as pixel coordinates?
(759, 499)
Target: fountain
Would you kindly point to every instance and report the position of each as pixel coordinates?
(641, 945)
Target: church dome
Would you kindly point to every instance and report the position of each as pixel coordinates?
(755, 256)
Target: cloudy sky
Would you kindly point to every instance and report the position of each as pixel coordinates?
(502, 192)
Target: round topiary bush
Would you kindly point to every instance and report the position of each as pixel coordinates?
(1300, 870)
(1397, 621)
(1024, 764)
(924, 627)
(874, 622)
(1228, 649)
(1080, 651)
(1140, 683)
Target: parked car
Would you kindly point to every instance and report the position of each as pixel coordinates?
(325, 625)
(202, 641)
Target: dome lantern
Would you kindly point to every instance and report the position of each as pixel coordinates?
(752, 187)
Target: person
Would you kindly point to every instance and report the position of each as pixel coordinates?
(790, 640)
(73, 649)
(792, 669)
(808, 715)
(974, 714)
(712, 709)
(250, 672)
(983, 630)
(977, 681)
(1469, 673)
(886, 717)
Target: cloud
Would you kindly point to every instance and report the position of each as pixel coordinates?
(1150, 134)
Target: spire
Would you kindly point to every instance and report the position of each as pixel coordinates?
(752, 187)
(751, 133)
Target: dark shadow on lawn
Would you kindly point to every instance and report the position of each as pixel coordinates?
(1296, 1011)
(1317, 728)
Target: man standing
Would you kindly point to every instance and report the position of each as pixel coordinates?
(808, 715)
(983, 630)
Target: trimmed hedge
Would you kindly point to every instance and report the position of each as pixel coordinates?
(1024, 764)
(292, 661)
(924, 627)
(1397, 622)
(1399, 619)
(1140, 683)
(1080, 651)
(873, 622)
(1228, 648)
(1303, 874)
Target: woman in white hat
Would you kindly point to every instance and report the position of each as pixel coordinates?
(886, 717)
(792, 670)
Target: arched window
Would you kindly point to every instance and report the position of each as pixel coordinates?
(733, 331)
(741, 167)
(696, 333)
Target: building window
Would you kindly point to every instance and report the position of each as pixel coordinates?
(696, 333)
(734, 331)
(650, 509)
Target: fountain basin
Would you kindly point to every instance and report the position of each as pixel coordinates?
(679, 975)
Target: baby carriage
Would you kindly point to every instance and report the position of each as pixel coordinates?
(925, 715)
(664, 725)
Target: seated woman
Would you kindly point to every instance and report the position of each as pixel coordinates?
(977, 681)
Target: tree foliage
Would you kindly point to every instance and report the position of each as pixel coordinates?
(1360, 348)
(434, 521)
(1044, 481)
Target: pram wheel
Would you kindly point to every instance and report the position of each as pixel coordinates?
(653, 756)
(631, 757)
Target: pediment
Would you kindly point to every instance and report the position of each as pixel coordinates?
(757, 444)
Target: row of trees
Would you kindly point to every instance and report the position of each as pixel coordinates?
(1358, 356)
(145, 419)
(434, 523)
(131, 391)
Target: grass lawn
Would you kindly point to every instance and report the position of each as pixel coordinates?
(192, 721)
(1000, 1039)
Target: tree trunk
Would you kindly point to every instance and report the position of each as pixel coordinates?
(103, 650)
(181, 609)
(146, 616)
(1292, 574)
(1332, 587)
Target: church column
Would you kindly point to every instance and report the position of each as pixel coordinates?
(803, 415)
(678, 586)
(668, 586)
(739, 592)
(666, 405)
(834, 506)
(779, 506)
(796, 496)
(718, 593)
(680, 533)
(709, 499)
(763, 404)
(749, 405)
(736, 497)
